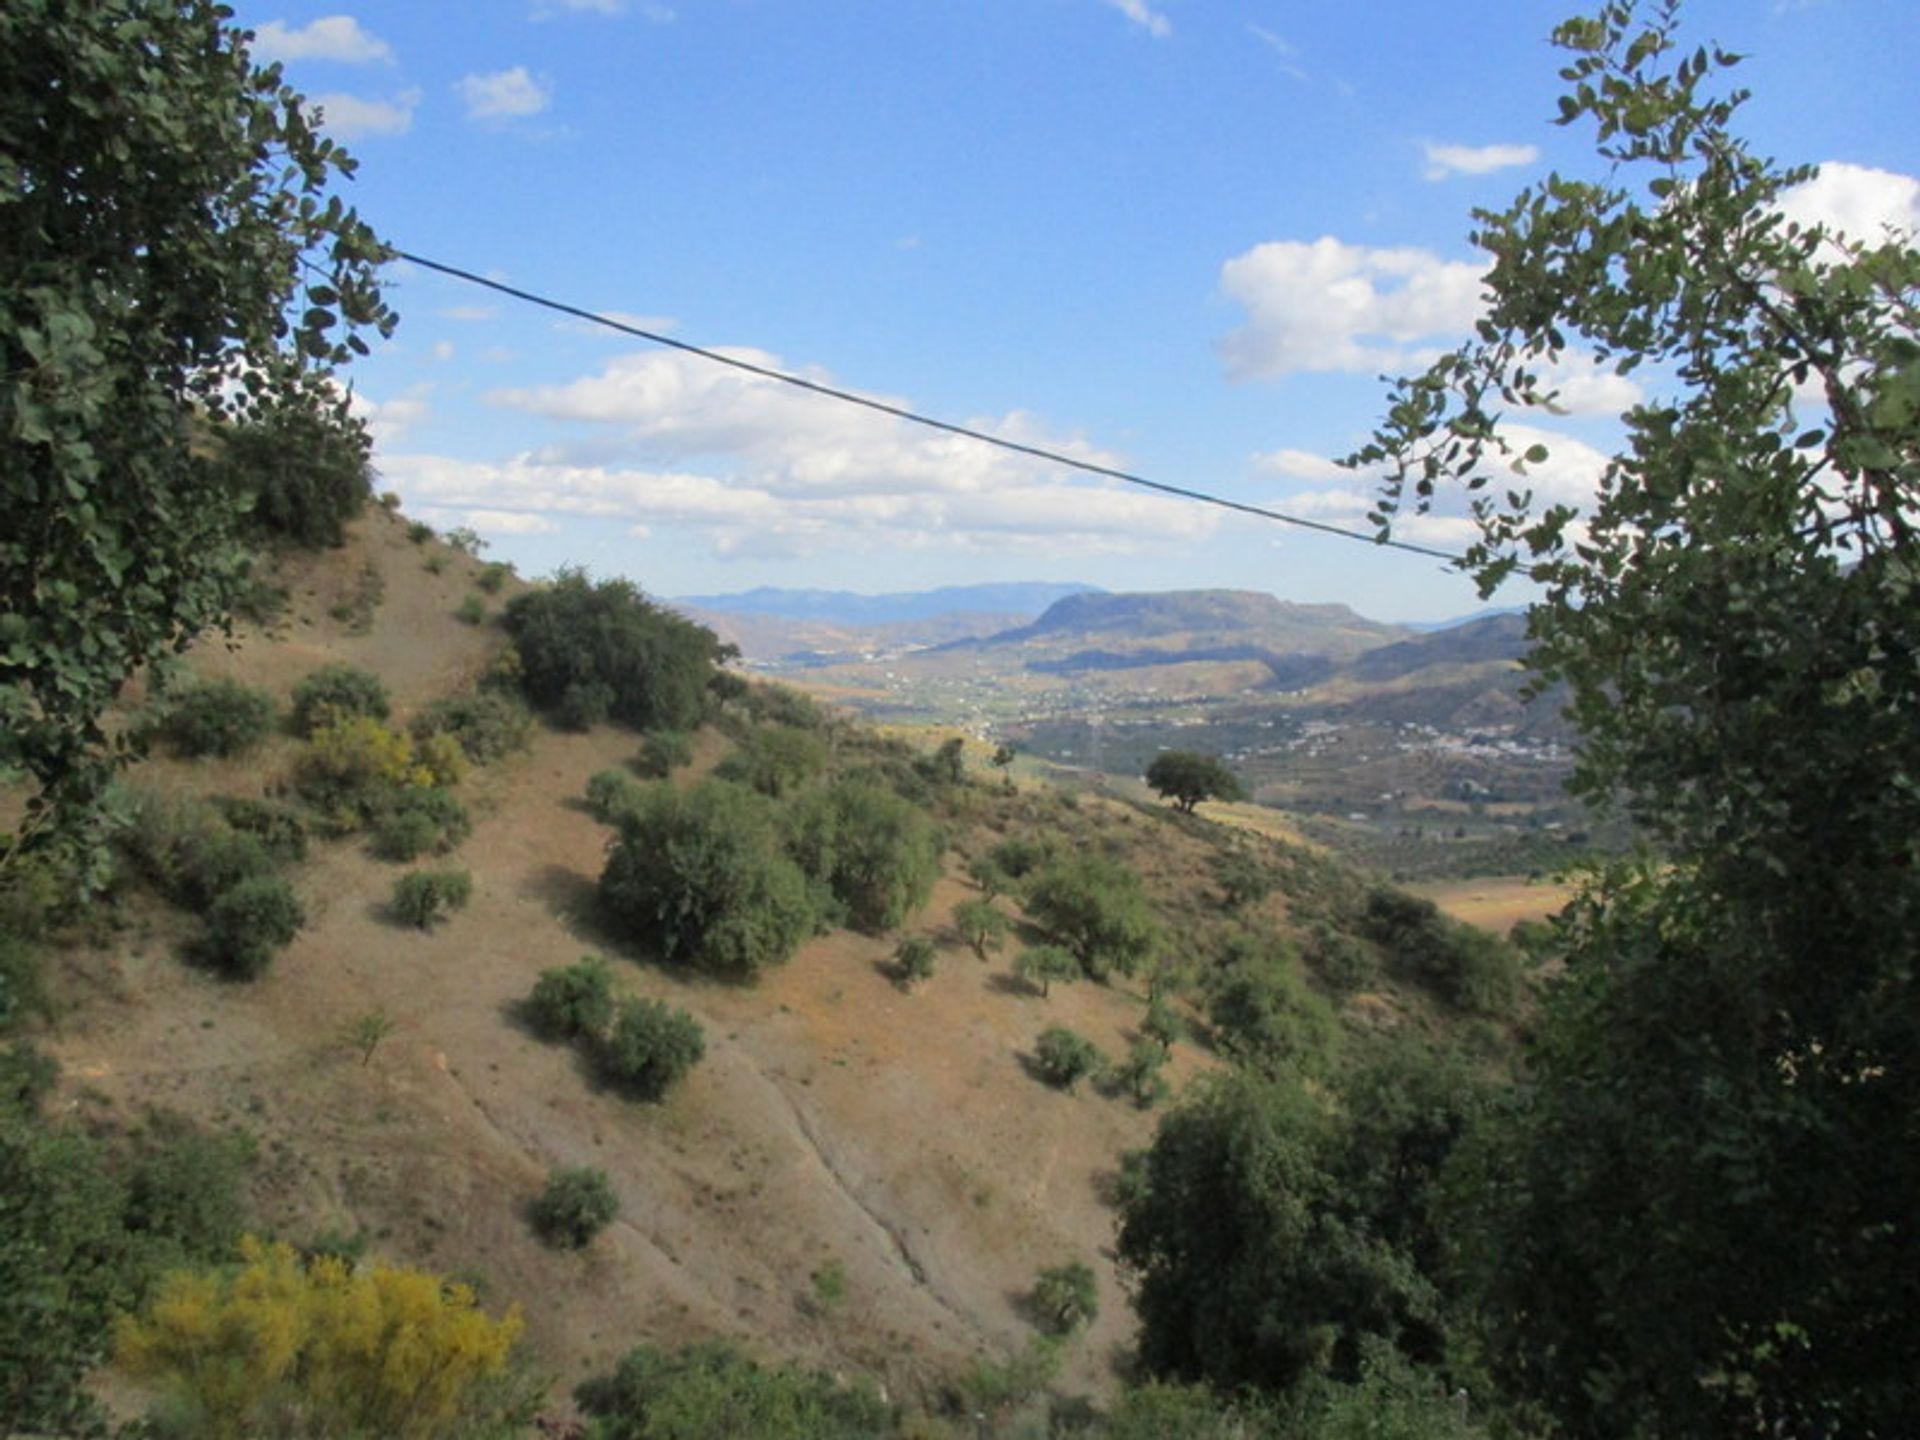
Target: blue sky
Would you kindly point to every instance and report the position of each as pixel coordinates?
(1184, 236)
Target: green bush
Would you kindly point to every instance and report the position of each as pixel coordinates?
(419, 532)
(1096, 908)
(214, 861)
(575, 1206)
(650, 1047)
(22, 989)
(1065, 1297)
(304, 470)
(217, 717)
(248, 923)
(1018, 856)
(1466, 967)
(1064, 1058)
(418, 820)
(873, 854)
(711, 1390)
(609, 641)
(574, 1002)
(185, 1190)
(493, 575)
(279, 827)
(610, 794)
(337, 692)
(700, 875)
(1138, 1076)
(913, 960)
(471, 611)
(488, 723)
(776, 759)
(1041, 965)
(782, 705)
(984, 928)
(1263, 1014)
(584, 704)
(424, 896)
(661, 753)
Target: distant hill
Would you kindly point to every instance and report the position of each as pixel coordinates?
(848, 608)
(1473, 642)
(1247, 614)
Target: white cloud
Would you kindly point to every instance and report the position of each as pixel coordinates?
(353, 117)
(1281, 46)
(1586, 387)
(388, 420)
(332, 37)
(503, 94)
(1145, 16)
(493, 522)
(1327, 305)
(1857, 200)
(1299, 465)
(1444, 161)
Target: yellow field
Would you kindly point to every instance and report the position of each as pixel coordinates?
(1495, 902)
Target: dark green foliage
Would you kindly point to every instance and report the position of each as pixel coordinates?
(488, 723)
(775, 759)
(1162, 1023)
(187, 849)
(576, 1205)
(1138, 1076)
(583, 705)
(610, 794)
(1344, 963)
(1157, 1410)
(183, 1191)
(1063, 1058)
(700, 875)
(1467, 967)
(661, 753)
(419, 820)
(649, 1047)
(425, 896)
(1018, 856)
(709, 1390)
(984, 928)
(573, 1003)
(333, 693)
(1244, 880)
(1096, 908)
(22, 990)
(1065, 1297)
(1263, 1014)
(419, 532)
(947, 765)
(248, 923)
(651, 665)
(875, 854)
(174, 262)
(302, 473)
(217, 717)
(913, 960)
(279, 827)
(783, 705)
(1187, 778)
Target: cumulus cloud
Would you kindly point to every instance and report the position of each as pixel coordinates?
(503, 94)
(1856, 200)
(1145, 16)
(1329, 306)
(1445, 161)
(331, 37)
(388, 420)
(354, 117)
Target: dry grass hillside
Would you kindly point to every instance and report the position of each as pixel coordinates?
(837, 1125)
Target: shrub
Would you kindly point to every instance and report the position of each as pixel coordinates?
(1065, 1297)
(1063, 1057)
(874, 853)
(1263, 1014)
(424, 896)
(1161, 1023)
(304, 470)
(1244, 880)
(1344, 963)
(419, 532)
(337, 692)
(650, 1047)
(782, 705)
(486, 723)
(466, 541)
(610, 794)
(700, 874)
(278, 827)
(353, 768)
(1096, 908)
(248, 923)
(572, 1003)
(1018, 856)
(981, 926)
(418, 820)
(212, 861)
(471, 611)
(583, 705)
(651, 665)
(661, 753)
(710, 1389)
(913, 960)
(185, 1189)
(492, 576)
(575, 1206)
(774, 759)
(22, 992)
(217, 717)
(1468, 968)
(1139, 1074)
(1041, 965)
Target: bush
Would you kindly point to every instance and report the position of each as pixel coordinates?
(1063, 1057)
(424, 896)
(875, 854)
(913, 960)
(981, 926)
(1018, 856)
(278, 827)
(492, 576)
(337, 692)
(572, 1003)
(1041, 965)
(354, 768)
(1065, 1297)
(661, 753)
(584, 704)
(775, 759)
(486, 723)
(1139, 1075)
(419, 820)
(575, 1206)
(248, 923)
(1467, 967)
(1262, 1012)
(1344, 963)
(1096, 908)
(217, 717)
(304, 470)
(611, 794)
(651, 665)
(22, 991)
(471, 611)
(213, 861)
(419, 532)
(700, 875)
(710, 1389)
(650, 1047)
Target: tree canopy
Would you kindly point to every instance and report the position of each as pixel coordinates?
(178, 260)
(1187, 777)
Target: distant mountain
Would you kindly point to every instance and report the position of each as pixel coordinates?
(1206, 622)
(1427, 627)
(1473, 642)
(848, 608)
(771, 639)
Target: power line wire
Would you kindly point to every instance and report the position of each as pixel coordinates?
(915, 417)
